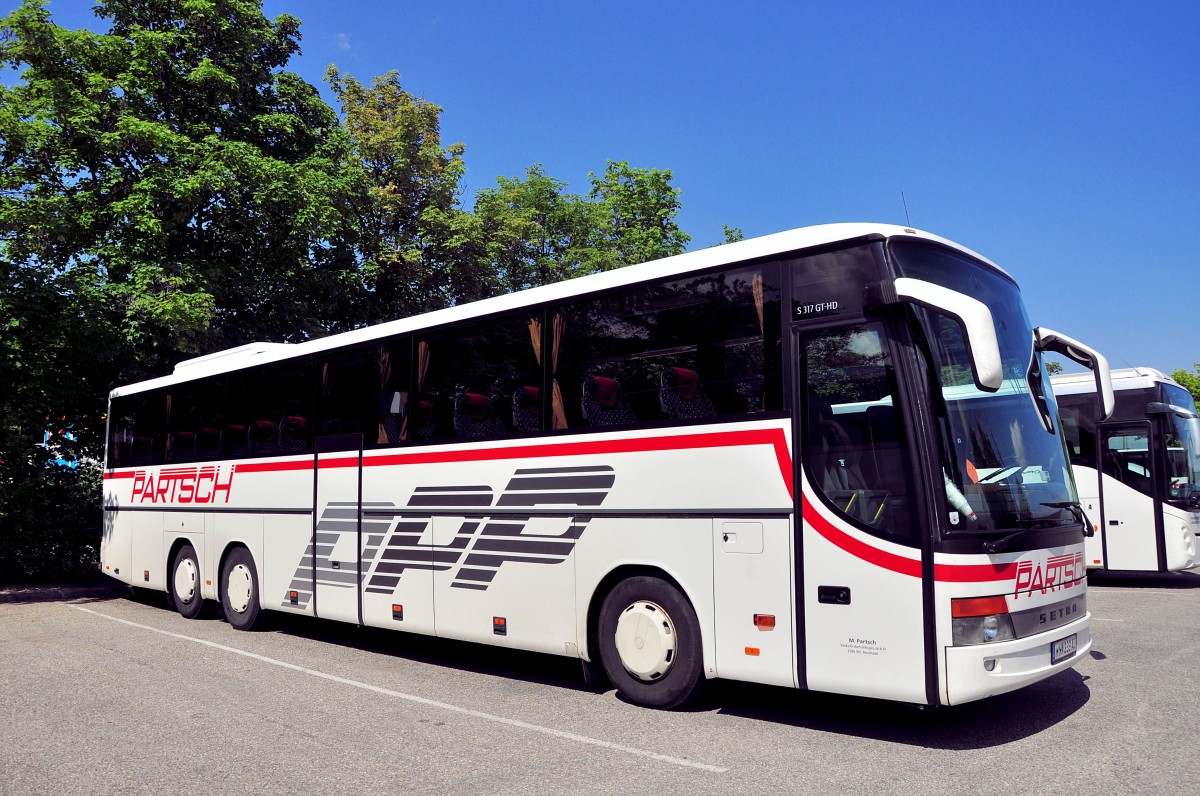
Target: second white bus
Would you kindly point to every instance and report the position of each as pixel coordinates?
(1138, 473)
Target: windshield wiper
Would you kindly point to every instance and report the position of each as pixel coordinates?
(1005, 542)
(1076, 510)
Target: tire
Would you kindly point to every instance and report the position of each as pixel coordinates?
(649, 641)
(239, 589)
(184, 589)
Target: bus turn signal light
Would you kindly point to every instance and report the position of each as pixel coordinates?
(764, 621)
(398, 612)
(977, 606)
(499, 625)
(752, 651)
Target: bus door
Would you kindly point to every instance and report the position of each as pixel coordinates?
(335, 553)
(1132, 517)
(859, 569)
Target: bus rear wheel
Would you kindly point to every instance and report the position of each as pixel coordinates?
(185, 583)
(239, 589)
(649, 641)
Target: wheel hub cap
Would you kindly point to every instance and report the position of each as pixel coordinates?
(239, 588)
(645, 640)
(185, 580)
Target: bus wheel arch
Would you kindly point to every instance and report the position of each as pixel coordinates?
(239, 588)
(644, 629)
(184, 579)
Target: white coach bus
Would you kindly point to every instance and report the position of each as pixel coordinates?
(1139, 472)
(826, 459)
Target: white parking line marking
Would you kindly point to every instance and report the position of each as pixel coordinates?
(568, 736)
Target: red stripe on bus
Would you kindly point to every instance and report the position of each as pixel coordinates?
(972, 573)
(856, 548)
(722, 439)
(120, 474)
(272, 467)
(945, 573)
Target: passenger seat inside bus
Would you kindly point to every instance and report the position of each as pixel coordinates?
(835, 451)
(181, 446)
(603, 404)
(681, 395)
(475, 416)
(391, 415)
(262, 438)
(208, 444)
(527, 409)
(293, 434)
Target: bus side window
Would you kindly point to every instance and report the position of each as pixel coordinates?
(679, 351)
(855, 450)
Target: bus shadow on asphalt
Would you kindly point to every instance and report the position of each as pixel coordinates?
(983, 724)
(1188, 579)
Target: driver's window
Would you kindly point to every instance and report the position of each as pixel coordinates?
(854, 443)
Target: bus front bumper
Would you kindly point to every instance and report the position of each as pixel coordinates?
(1014, 664)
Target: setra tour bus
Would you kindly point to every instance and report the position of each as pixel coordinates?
(827, 458)
(1138, 473)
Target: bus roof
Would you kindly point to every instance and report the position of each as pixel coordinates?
(1122, 379)
(777, 244)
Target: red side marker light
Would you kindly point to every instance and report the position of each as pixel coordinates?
(499, 625)
(752, 651)
(146, 575)
(398, 613)
(294, 597)
(764, 621)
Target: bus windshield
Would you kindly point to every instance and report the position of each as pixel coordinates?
(1004, 463)
(1183, 450)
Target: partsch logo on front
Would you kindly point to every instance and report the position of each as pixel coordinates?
(1059, 572)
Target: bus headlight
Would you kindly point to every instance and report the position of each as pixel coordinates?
(980, 620)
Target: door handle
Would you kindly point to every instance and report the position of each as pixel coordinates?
(834, 595)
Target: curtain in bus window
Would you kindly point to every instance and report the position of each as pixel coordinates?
(558, 328)
(385, 373)
(418, 405)
(757, 289)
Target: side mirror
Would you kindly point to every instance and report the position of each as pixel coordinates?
(971, 314)
(1090, 358)
(1156, 408)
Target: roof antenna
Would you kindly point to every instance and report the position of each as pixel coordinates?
(907, 221)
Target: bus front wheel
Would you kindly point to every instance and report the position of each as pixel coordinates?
(239, 589)
(185, 583)
(650, 643)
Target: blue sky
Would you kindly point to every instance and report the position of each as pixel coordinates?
(1059, 139)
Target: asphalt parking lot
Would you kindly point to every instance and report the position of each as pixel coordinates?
(115, 694)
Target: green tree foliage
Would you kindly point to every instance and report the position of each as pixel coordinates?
(535, 233)
(1189, 381)
(417, 247)
(165, 190)
(639, 207)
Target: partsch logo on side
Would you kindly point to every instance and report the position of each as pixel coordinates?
(1059, 572)
(182, 485)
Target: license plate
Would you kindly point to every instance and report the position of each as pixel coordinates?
(1064, 648)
